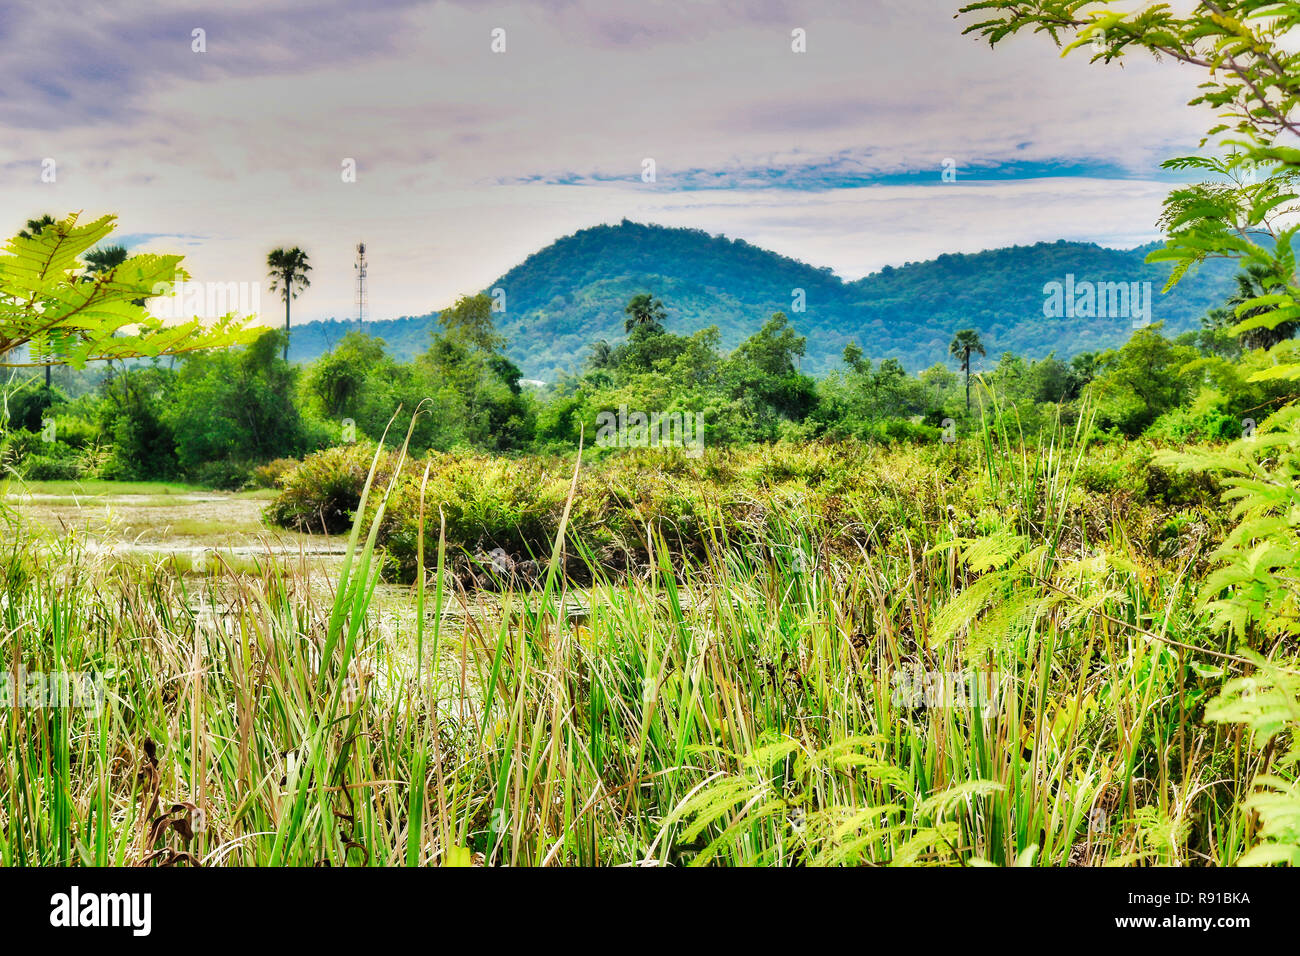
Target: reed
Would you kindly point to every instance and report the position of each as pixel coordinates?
(942, 674)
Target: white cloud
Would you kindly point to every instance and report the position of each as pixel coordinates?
(242, 145)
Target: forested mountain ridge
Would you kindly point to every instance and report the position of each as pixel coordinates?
(571, 293)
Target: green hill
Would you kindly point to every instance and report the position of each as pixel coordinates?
(563, 297)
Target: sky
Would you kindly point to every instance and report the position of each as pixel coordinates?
(469, 158)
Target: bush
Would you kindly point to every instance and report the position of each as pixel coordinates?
(48, 468)
(900, 430)
(224, 475)
(323, 491)
(27, 405)
(1171, 487)
(273, 472)
(144, 447)
(75, 432)
(1183, 425)
(516, 505)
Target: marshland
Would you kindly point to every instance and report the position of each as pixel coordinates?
(753, 682)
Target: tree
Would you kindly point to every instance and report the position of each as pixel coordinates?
(469, 321)
(335, 384)
(34, 226)
(1139, 382)
(237, 407)
(289, 268)
(477, 384)
(644, 310)
(143, 445)
(963, 344)
(1252, 285)
(762, 374)
(1050, 381)
(1214, 337)
(940, 380)
(886, 392)
(602, 354)
(1252, 80)
(856, 359)
(104, 259)
(48, 304)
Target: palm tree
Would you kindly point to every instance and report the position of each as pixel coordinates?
(601, 354)
(963, 344)
(289, 268)
(1257, 281)
(34, 226)
(104, 259)
(644, 309)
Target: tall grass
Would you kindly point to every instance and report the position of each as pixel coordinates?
(745, 707)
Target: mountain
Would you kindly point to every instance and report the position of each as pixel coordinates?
(562, 298)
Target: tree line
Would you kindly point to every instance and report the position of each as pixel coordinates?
(234, 417)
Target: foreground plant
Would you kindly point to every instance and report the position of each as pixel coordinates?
(57, 300)
(1012, 686)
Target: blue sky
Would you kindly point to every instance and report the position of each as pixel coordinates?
(469, 159)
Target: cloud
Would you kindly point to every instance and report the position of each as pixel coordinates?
(468, 160)
(70, 63)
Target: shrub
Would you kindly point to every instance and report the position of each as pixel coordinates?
(224, 475)
(273, 472)
(1184, 425)
(49, 468)
(27, 406)
(323, 491)
(75, 432)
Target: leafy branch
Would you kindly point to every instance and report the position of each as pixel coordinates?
(68, 314)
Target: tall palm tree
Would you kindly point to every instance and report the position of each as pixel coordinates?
(1251, 284)
(289, 268)
(963, 344)
(601, 354)
(644, 309)
(104, 259)
(34, 226)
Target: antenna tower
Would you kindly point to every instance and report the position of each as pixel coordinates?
(361, 285)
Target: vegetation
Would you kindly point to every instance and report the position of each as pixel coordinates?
(1041, 616)
(767, 704)
(215, 418)
(966, 344)
(289, 268)
(573, 292)
(64, 310)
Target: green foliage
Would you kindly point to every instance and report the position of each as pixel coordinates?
(574, 292)
(1254, 597)
(323, 492)
(644, 310)
(469, 324)
(66, 313)
(26, 405)
(1246, 213)
(1256, 589)
(272, 474)
(1139, 382)
(1252, 80)
(479, 398)
(132, 410)
(239, 407)
(760, 586)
